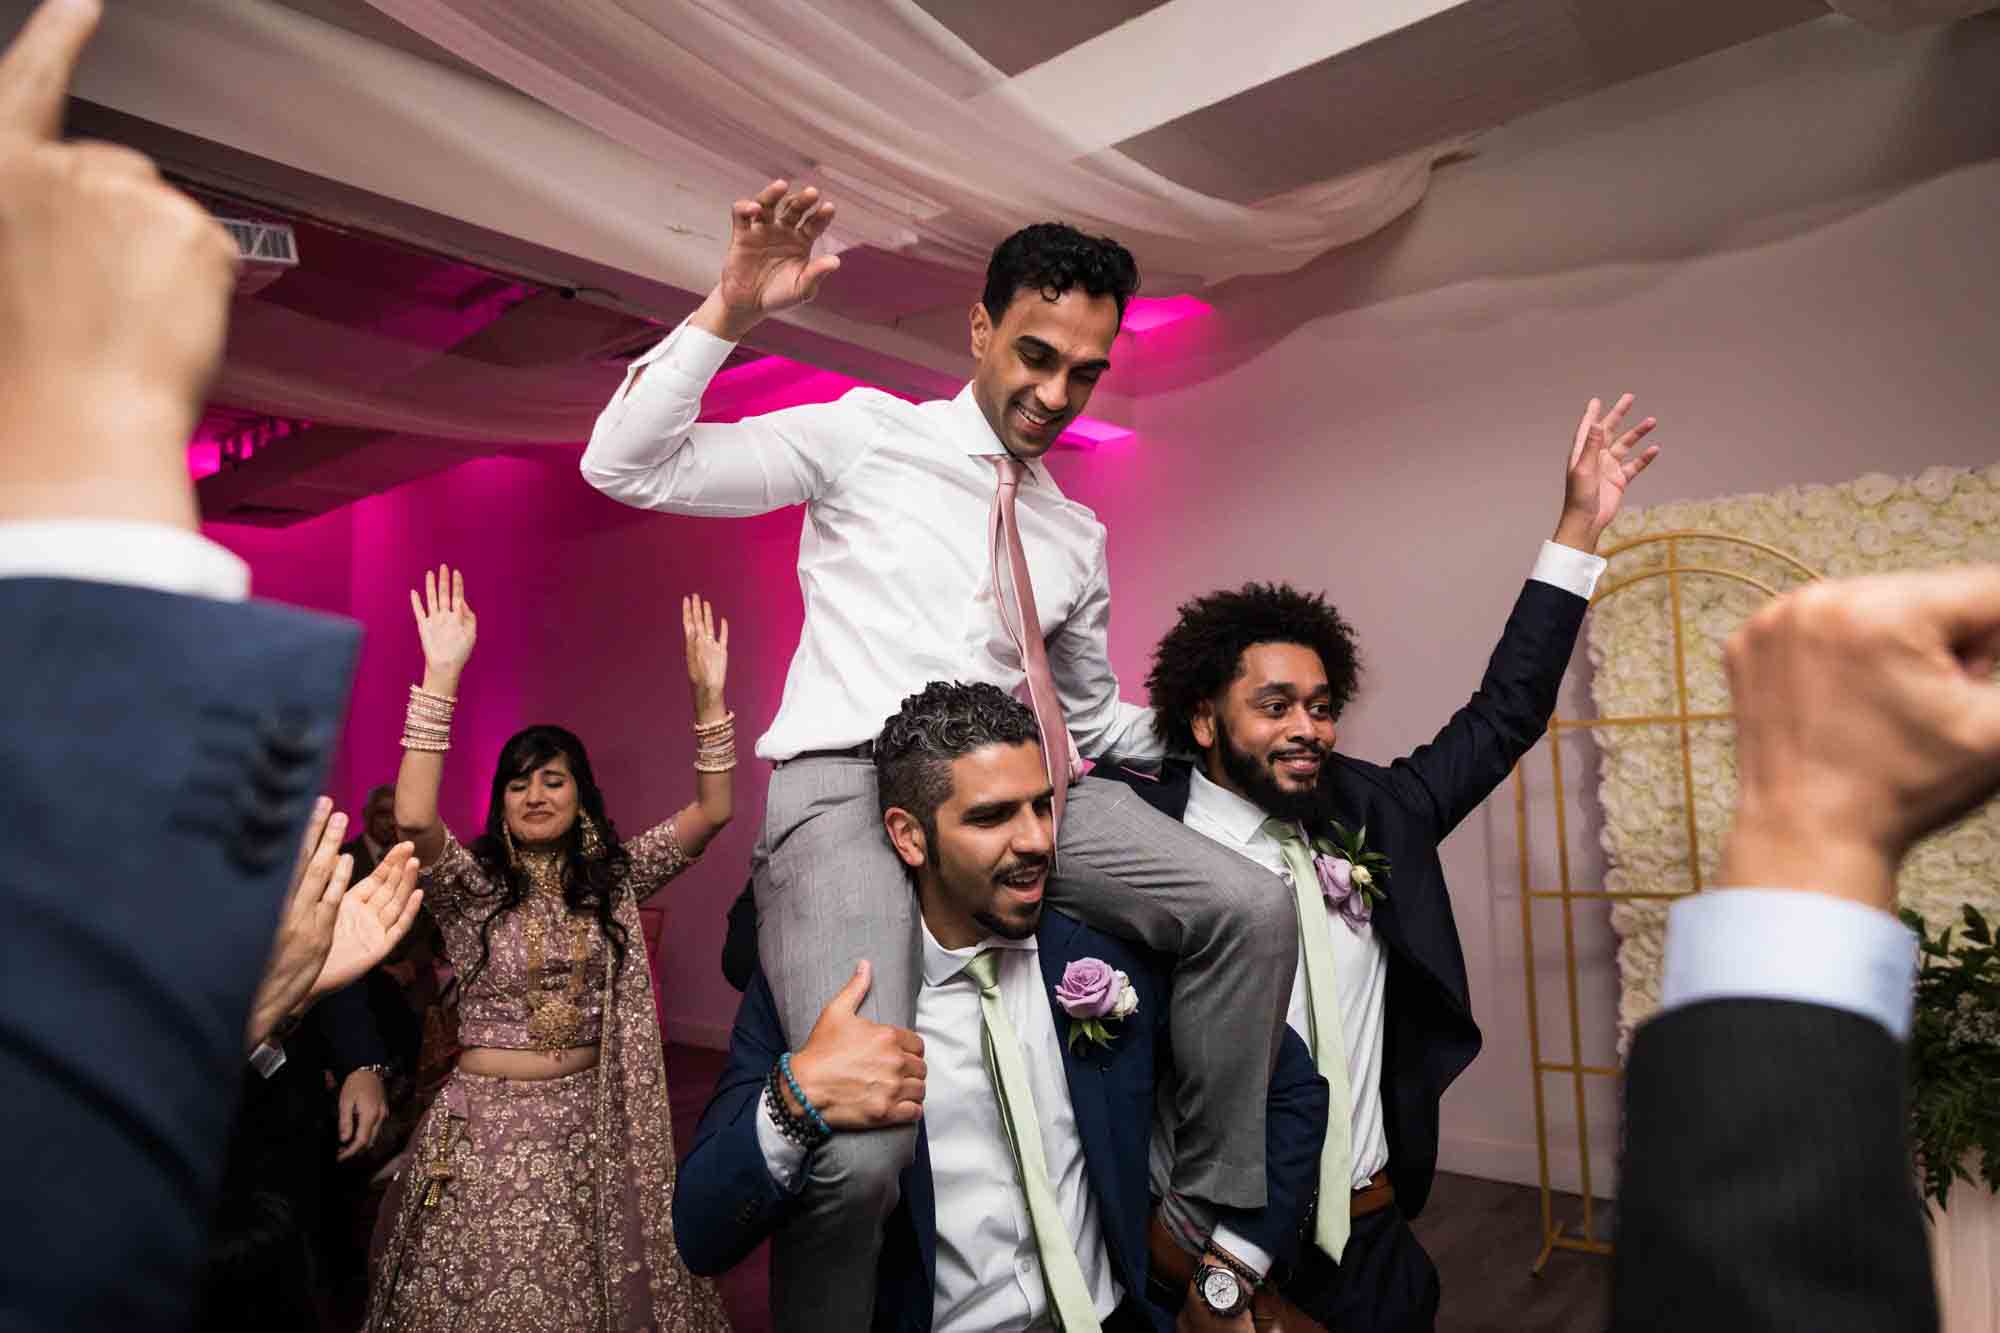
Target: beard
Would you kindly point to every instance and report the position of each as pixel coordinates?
(1255, 778)
(1017, 927)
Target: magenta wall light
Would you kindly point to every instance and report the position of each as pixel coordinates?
(1146, 313)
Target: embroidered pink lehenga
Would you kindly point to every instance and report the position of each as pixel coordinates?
(544, 1205)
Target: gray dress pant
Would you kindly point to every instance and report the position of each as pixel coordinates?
(830, 891)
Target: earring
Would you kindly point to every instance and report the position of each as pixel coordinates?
(507, 837)
(592, 842)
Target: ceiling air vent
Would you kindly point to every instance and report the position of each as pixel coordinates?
(268, 251)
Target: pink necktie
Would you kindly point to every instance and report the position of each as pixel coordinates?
(1025, 628)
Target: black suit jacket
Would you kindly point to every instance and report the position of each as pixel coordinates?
(1408, 808)
(1767, 1182)
(158, 756)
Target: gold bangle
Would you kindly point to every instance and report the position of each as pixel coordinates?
(721, 724)
(423, 693)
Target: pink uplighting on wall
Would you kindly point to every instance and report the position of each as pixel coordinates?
(1089, 433)
(1146, 313)
(204, 458)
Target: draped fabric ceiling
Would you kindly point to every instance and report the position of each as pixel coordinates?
(1216, 138)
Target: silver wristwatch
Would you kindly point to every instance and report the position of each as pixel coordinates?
(1221, 1290)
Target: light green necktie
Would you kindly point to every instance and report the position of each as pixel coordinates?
(1329, 1046)
(1069, 1294)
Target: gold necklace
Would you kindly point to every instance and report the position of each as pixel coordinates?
(555, 1019)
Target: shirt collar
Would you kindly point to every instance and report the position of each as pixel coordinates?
(942, 964)
(976, 436)
(1223, 809)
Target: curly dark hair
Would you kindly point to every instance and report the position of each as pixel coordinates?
(1203, 652)
(590, 883)
(1050, 258)
(914, 752)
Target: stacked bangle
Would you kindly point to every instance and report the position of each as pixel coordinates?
(427, 721)
(715, 745)
(808, 1130)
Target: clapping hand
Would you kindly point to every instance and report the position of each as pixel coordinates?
(1602, 463)
(373, 917)
(707, 651)
(770, 265)
(328, 936)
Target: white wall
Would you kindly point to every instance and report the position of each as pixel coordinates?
(1787, 250)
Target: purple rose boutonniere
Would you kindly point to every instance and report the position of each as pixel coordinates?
(1353, 878)
(1094, 994)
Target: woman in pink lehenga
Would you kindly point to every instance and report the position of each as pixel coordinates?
(539, 1190)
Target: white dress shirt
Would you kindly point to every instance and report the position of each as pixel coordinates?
(1360, 968)
(894, 561)
(1778, 944)
(989, 1273)
(139, 555)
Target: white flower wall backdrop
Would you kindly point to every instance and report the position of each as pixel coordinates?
(1872, 524)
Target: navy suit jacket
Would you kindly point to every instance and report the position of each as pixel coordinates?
(725, 1201)
(158, 756)
(1408, 808)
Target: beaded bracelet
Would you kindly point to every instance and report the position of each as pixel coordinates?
(799, 1095)
(795, 1128)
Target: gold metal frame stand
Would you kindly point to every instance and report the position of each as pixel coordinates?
(1556, 1234)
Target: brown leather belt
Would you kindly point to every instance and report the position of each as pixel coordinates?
(1373, 1197)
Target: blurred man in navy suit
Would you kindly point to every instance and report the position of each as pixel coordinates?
(161, 738)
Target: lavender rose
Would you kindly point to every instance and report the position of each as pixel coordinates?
(1336, 875)
(1090, 989)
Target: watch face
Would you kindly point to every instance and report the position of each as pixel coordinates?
(1220, 1289)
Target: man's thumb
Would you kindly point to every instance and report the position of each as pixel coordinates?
(848, 1001)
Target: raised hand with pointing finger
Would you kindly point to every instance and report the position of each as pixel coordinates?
(114, 298)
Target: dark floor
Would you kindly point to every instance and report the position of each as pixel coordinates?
(1483, 1235)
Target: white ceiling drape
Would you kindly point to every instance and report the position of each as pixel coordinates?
(929, 149)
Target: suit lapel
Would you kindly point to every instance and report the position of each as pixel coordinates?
(1060, 946)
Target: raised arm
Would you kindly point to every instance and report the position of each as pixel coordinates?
(1444, 780)
(447, 627)
(715, 728)
(646, 449)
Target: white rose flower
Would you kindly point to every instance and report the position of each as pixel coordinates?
(1973, 504)
(1906, 516)
(1362, 877)
(1936, 483)
(1128, 999)
(1873, 489)
(1872, 539)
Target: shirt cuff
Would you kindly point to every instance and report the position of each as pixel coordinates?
(139, 555)
(688, 355)
(1248, 1253)
(784, 1159)
(1567, 568)
(1777, 944)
